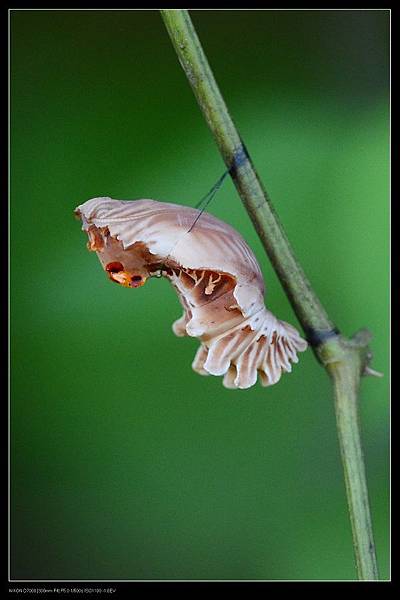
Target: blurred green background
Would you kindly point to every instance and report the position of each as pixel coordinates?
(125, 464)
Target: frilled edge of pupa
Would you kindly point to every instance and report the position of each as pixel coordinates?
(260, 346)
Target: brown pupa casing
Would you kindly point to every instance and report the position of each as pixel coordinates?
(215, 274)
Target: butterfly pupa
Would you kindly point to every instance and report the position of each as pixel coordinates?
(217, 278)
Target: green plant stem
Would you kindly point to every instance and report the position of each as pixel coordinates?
(345, 360)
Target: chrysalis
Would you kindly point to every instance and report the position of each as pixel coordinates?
(215, 274)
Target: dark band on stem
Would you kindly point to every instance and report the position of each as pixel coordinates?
(240, 157)
(315, 338)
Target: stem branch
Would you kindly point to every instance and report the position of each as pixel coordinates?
(345, 360)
